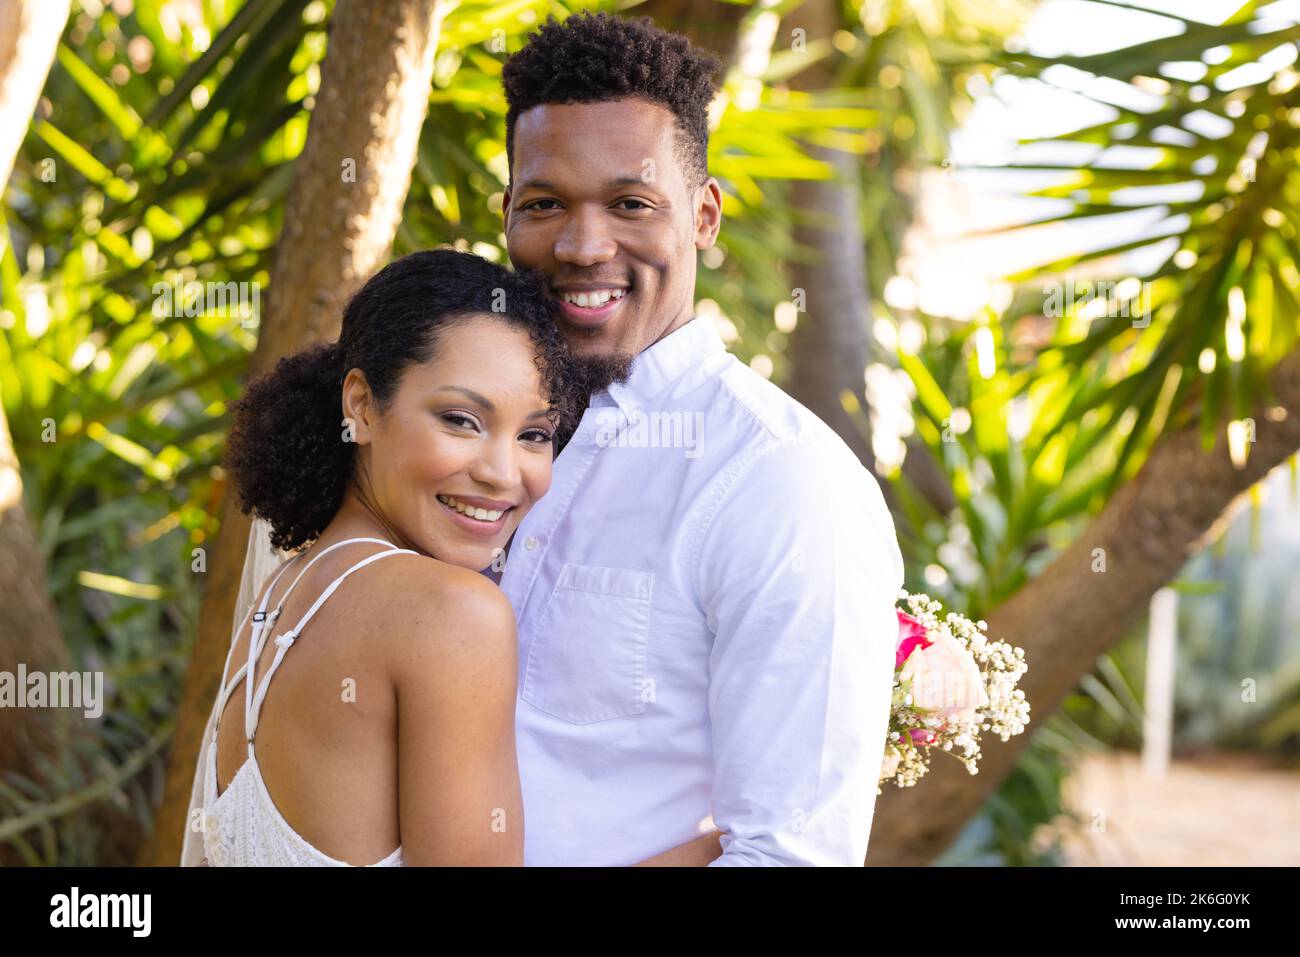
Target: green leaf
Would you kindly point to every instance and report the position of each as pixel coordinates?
(928, 393)
(85, 164)
(100, 93)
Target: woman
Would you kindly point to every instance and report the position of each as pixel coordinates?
(405, 455)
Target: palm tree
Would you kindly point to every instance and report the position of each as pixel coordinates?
(1144, 429)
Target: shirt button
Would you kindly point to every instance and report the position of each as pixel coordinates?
(530, 542)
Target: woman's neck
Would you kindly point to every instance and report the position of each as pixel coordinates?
(355, 519)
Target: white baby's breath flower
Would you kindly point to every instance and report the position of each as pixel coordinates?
(998, 665)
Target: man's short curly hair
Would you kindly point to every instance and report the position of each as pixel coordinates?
(592, 58)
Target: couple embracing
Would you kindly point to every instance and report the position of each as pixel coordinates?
(508, 634)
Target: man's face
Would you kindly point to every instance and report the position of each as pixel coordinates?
(600, 204)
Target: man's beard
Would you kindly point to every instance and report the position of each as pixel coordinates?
(586, 375)
(594, 373)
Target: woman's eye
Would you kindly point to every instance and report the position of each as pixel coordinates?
(540, 436)
(459, 419)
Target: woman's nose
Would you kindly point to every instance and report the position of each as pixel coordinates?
(497, 466)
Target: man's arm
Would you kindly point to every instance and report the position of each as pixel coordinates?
(799, 571)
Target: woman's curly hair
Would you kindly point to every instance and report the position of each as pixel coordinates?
(592, 58)
(288, 453)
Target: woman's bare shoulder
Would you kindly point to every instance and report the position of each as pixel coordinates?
(431, 609)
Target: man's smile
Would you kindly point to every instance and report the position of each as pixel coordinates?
(591, 305)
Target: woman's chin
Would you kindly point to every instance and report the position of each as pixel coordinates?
(469, 548)
(472, 559)
(477, 557)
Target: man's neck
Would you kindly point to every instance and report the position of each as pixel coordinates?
(676, 324)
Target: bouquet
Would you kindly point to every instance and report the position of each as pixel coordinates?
(951, 683)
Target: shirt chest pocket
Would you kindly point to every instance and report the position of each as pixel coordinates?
(587, 658)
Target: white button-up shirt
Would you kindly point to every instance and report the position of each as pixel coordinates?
(706, 624)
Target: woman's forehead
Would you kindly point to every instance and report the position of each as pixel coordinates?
(483, 353)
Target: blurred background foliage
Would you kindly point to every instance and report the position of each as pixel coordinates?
(161, 154)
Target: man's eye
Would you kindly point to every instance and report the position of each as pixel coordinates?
(534, 203)
(637, 201)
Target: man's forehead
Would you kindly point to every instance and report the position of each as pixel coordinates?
(628, 110)
(615, 136)
(613, 182)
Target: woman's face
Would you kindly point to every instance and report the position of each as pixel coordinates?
(464, 450)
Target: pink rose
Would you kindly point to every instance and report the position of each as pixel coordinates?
(910, 634)
(945, 680)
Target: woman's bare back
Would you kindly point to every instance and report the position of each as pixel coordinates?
(326, 740)
(411, 636)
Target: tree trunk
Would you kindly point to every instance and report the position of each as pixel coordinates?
(708, 24)
(338, 229)
(29, 34)
(1069, 615)
(830, 345)
(31, 634)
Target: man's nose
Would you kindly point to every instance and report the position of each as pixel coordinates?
(583, 240)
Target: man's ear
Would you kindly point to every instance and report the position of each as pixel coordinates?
(505, 212)
(708, 214)
(358, 408)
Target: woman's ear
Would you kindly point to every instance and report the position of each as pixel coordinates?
(358, 408)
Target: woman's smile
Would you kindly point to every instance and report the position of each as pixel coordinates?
(479, 516)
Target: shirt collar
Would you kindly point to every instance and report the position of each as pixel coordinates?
(664, 363)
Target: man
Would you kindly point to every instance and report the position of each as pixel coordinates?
(705, 597)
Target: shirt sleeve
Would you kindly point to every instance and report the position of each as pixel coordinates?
(799, 572)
